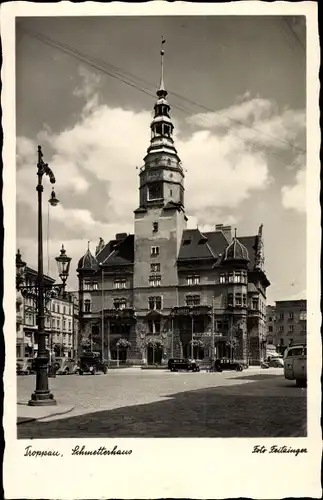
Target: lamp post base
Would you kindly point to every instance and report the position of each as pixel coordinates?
(42, 399)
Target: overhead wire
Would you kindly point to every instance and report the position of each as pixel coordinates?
(293, 32)
(130, 80)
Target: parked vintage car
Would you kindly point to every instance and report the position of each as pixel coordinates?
(227, 364)
(295, 364)
(65, 366)
(91, 362)
(25, 366)
(176, 364)
(275, 361)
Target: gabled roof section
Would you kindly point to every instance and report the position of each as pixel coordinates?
(217, 242)
(195, 245)
(119, 252)
(250, 242)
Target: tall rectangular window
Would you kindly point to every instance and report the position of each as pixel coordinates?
(154, 326)
(87, 285)
(291, 328)
(255, 304)
(87, 306)
(222, 278)
(155, 227)
(237, 277)
(154, 280)
(238, 299)
(119, 283)
(154, 251)
(193, 280)
(193, 300)
(120, 303)
(155, 303)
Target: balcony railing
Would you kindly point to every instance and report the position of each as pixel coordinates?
(198, 310)
(127, 313)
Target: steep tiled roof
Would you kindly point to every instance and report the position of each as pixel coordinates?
(119, 252)
(217, 242)
(195, 246)
(250, 242)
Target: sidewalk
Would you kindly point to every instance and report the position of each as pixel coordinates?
(26, 414)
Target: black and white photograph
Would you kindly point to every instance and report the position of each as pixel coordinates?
(161, 245)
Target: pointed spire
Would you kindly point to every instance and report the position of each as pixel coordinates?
(162, 53)
(161, 92)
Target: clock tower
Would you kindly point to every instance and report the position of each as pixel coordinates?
(160, 218)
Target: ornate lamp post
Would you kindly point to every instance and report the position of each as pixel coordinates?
(42, 395)
(63, 263)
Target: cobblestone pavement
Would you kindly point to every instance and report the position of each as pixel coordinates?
(142, 403)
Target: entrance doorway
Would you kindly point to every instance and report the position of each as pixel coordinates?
(154, 355)
(198, 352)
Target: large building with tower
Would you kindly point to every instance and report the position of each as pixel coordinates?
(166, 290)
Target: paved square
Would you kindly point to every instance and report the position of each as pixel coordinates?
(148, 403)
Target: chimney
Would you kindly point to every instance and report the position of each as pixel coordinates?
(218, 227)
(121, 236)
(226, 230)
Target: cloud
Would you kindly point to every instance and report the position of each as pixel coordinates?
(95, 162)
(294, 197)
(90, 82)
(257, 121)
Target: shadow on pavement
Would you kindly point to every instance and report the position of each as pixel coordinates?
(255, 409)
(260, 376)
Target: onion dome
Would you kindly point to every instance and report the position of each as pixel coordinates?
(236, 251)
(88, 262)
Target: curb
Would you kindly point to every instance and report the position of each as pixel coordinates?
(27, 420)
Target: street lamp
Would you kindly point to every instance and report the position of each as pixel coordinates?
(63, 264)
(42, 395)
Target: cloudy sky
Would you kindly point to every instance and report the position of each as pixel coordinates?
(85, 92)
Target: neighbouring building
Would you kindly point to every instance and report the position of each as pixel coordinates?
(61, 320)
(286, 322)
(162, 291)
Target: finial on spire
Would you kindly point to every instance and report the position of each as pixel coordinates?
(88, 245)
(162, 53)
(235, 233)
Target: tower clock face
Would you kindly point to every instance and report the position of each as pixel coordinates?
(153, 175)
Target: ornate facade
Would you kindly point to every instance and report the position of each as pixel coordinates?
(168, 290)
